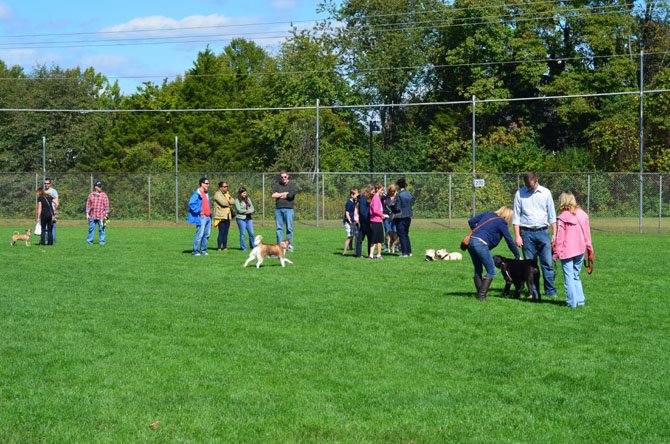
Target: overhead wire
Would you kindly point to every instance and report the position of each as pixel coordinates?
(275, 36)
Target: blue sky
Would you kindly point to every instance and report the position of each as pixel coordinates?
(140, 40)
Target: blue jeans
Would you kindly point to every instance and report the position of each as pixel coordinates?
(389, 225)
(202, 231)
(481, 258)
(246, 226)
(284, 220)
(540, 243)
(402, 227)
(91, 231)
(573, 284)
(222, 240)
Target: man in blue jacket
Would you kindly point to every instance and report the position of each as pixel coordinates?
(199, 214)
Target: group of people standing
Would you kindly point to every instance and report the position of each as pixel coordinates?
(376, 213)
(48, 204)
(532, 214)
(223, 208)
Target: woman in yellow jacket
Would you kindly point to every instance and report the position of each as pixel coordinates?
(222, 214)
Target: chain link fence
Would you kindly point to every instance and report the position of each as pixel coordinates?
(611, 199)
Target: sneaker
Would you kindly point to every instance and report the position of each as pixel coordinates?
(204, 253)
(378, 257)
(195, 253)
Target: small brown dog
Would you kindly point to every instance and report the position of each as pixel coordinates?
(261, 250)
(392, 241)
(24, 237)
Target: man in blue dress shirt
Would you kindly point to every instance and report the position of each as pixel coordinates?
(534, 212)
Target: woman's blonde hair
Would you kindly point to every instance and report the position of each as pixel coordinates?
(368, 192)
(506, 213)
(567, 201)
(392, 189)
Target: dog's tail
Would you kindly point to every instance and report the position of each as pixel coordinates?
(16, 232)
(258, 239)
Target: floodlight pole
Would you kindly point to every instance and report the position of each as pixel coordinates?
(372, 162)
(44, 157)
(176, 179)
(474, 153)
(316, 169)
(641, 135)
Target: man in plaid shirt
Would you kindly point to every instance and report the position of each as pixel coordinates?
(97, 212)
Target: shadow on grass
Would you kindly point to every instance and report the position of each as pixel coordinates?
(471, 294)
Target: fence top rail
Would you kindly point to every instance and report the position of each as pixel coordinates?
(338, 173)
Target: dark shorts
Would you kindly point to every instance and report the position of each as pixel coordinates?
(376, 232)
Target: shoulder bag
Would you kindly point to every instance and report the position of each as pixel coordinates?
(465, 243)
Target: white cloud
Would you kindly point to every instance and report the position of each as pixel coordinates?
(28, 58)
(5, 12)
(283, 4)
(105, 62)
(191, 25)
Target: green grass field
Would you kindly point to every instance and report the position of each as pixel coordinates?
(99, 342)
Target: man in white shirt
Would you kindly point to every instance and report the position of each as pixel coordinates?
(54, 203)
(534, 212)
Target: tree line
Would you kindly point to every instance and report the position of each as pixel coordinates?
(374, 52)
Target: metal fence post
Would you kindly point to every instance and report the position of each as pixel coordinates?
(316, 170)
(641, 136)
(660, 201)
(176, 179)
(149, 194)
(450, 196)
(263, 201)
(474, 153)
(588, 194)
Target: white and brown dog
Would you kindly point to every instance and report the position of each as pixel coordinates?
(445, 255)
(24, 237)
(261, 250)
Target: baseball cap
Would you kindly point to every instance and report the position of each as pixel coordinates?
(98, 184)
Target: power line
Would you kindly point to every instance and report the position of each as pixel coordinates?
(364, 70)
(257, 35)
(310, 107)
(233, 25)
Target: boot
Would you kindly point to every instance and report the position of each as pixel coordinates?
(478, 282)
(484, 288)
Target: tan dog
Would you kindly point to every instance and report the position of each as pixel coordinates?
(430, 254)
(445, 255)
(261, 250)
(392, 241)
(24, 237)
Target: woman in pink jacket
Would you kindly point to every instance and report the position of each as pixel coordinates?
(376, 221)
(572, 241)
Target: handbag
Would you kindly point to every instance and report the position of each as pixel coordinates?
(465, 243)
(38, 229)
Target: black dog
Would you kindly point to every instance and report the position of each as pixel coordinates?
(519, 272)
